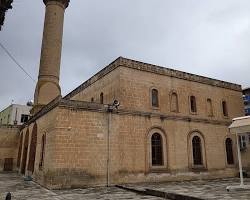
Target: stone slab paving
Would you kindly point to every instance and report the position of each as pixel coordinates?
(212, 189)
(20, 190)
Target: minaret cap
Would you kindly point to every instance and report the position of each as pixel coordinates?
(64, 2)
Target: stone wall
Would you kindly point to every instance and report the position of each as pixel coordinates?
(131, 83)
(77, 130)
(136, 86)
(80, 149)
(9, 136)
(109, 85)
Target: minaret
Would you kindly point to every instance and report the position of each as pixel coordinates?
(48, 87)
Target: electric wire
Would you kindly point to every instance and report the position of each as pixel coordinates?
(16, 62)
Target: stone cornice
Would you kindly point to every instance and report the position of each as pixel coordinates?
(94, 78)
(95, 107)
(124, 62)
(177, 74)
(50, 106)
(64, 2)
(103, 108)
(8, 126)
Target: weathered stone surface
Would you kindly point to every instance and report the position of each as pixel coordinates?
(22, 190)
(211, 189)
(9, 138)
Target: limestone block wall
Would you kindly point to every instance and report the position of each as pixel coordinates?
(9, 136)
(109, 85)
(45, 126)
(79, 153)
(131, 150)
(79, 149)
(136, 85)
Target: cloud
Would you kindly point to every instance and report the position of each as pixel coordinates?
(210, 38)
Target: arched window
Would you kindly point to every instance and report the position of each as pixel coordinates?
(229, 151)
(157, 154)
(193, 104)
(174, 102)
(101, 98)
(224, 108)
(92, 99)
(197, 150)
(32, 152)
(155, 100)
(42, 153)
(209, 107)
(20, 150)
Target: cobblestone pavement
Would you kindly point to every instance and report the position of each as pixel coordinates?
(213, 189)
(21, 190)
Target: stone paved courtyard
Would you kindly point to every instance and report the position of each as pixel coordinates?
(213, 189)
(21, 190)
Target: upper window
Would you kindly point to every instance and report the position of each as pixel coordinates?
(193, 104)
(157, 153)
(197, 150)
(101, 98)
(155, 100)
(224, 108)
(209, 107)
(229, 151)
(24, 118)
(174, 102)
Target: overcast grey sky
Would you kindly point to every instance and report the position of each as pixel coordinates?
(205, 37)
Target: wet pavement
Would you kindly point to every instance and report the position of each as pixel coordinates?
(204, 189)
(213, 189)
(20, 190)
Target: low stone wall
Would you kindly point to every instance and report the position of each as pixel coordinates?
(8, 147)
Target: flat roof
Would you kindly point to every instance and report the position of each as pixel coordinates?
(137, 65)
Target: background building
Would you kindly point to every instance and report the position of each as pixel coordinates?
(246, 98)
(15, 114)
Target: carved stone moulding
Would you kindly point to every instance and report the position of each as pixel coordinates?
(64, 2)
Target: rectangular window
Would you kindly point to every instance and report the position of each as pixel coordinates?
(193, 104)
(24, 118)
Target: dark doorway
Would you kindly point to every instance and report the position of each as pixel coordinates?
(229, 151)
(8, 164)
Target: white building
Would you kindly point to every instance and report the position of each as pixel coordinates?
(15, 114)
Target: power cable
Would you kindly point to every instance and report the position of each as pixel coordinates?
(15, 61)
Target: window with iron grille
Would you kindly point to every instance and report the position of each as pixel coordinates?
(157, 154)
(193, 104)
(197, 150)
(155, 100)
